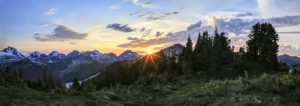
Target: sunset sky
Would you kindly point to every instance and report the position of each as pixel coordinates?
(139, 25)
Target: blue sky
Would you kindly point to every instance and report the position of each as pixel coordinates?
(140, 25)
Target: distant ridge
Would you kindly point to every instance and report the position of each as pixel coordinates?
(79, 64)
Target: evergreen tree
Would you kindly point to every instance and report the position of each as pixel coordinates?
(171, 67)
(44, 76)
(217, 50)
(50, 82)
(75, 84)
(87, 86)
(262, 46)
(221, 52)
(202, 52)
(188, 50)
(242, 54)
(197, 45)
(185, 59)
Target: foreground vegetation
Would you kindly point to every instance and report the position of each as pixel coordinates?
(276, 89)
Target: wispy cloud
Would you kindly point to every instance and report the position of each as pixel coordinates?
(54, 22)
(290, 32)
(159, 34)
(271, 8)
(116, 6)
(132, 38)
(145, 32)
(161, 16)
(289, 49)
(60, 33)
(51, 11)
(120, 27)
(143, 4)
(151, 15)
(135, 2)
(73, 43)
(244, 14)
(177, 37)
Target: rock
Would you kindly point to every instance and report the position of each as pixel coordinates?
(258, 102)
(112, 96)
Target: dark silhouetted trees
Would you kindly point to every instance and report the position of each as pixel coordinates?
(185, 58)
(262, 46)
(75, 84)
(203, 52)
(221, 50)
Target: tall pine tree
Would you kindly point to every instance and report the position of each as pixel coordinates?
(185, 59)
(202, 53)
(188, 50)
(263, 46)
(221, 50)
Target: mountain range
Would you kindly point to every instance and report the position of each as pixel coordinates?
(61, 66)
(289, 60)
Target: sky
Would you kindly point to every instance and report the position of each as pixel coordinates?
(139, 25)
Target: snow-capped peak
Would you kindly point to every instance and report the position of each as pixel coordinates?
(38, 56)
(74, 53)
(35, 54)
(13, 51)
(55, 55)
(128, 55)
(175, 49)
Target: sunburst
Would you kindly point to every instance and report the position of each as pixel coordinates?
(149, 57)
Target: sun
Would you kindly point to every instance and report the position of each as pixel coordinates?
(149, 51)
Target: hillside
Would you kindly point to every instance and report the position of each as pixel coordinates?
(279, 89)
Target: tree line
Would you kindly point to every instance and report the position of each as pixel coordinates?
(211, 57)
(213, 53)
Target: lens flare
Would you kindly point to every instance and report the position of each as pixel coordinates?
(149, 52)
(149, 57)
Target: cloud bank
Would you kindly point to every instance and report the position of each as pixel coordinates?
(161, 16)
(176, 37)
(138, 3)
(51, 11)
(291, 50)
(272, 8)
(120, 27)
(242, 26)
(60, 33)
(235, 27)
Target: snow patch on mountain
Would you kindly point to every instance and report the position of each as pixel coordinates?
(128, 55)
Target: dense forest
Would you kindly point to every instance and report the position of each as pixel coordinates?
(210, 72)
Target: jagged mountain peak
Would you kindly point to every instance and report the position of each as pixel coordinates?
(74, 53)
(111, 54)
(37, 54)
(94, 52)
(174, 49)
(54, 53)
(13, 51)
(128, 55)
(56, 56)
(175, 46)
(129, 52)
